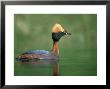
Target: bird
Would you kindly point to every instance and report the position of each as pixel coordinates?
(33, 55)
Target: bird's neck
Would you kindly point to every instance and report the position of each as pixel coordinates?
(55, 48)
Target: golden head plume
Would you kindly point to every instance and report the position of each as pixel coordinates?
(57, 28)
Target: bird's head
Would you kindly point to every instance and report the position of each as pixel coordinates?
(58, 32)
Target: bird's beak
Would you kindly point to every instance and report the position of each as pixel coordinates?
(67, 33)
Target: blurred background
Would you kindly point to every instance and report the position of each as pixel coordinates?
(78, 52)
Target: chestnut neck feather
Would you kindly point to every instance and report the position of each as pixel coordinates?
(55, 48)
(56, 37)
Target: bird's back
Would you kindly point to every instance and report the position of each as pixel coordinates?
(37, 52)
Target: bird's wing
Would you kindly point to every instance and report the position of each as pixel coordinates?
(29, 56)
(32, 55)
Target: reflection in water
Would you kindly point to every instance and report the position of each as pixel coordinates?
(43, 64)
(56, 69)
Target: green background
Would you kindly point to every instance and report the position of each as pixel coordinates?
(78, 52)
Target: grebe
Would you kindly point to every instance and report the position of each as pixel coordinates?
(57, 33)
